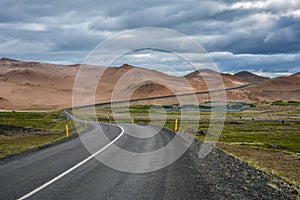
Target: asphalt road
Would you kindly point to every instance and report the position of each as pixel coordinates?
(218, 176)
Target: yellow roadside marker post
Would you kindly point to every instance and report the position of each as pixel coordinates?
(176, 125)
(110, 120)
(132, 120)
(67, 131)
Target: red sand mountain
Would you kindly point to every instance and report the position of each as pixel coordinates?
(210, 76)
(35, 85)
(250, 77)
(29, 85)
(284, 88)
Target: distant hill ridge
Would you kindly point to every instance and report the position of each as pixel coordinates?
(37, 85)
(250, 77)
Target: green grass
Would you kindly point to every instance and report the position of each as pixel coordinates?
(47, 128)
(288, 103)
(140, 107)
(271, 135)
(33, 119)
(265, 131)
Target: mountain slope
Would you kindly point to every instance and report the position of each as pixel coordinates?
(35, 85)
(284, 88)
(210, 76)
(250, 77)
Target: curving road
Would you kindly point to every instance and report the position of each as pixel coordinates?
(218, 176)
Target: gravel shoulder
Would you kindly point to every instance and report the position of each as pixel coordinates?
(232, 178)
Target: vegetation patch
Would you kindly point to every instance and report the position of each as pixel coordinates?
(287, 103)
(283, 164)
(22, 131)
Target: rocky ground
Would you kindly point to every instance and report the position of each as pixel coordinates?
(228, 175)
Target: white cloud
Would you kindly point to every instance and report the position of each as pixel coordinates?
(272, 74)
(248, 5)
(23, 26)
(271, 5)
(293, 13)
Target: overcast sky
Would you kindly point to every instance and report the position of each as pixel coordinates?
(260, 36)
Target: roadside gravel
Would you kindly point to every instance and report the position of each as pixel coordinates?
(232, 178)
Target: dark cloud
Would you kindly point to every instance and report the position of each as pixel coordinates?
(65, 31)
(268, 63)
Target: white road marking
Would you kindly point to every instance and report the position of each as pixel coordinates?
(72, 168)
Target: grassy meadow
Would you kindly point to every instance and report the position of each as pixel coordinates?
(22, 131)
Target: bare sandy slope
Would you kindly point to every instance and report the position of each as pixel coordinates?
(29, 85)
(43, 86)
(250, 77)
(285, 88)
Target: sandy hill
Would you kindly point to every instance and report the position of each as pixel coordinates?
(296, 75)
(285, 88)
(35, 85)
(211, 76)
(282, 88)
(250, 77)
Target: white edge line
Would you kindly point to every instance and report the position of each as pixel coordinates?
(72, 168)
